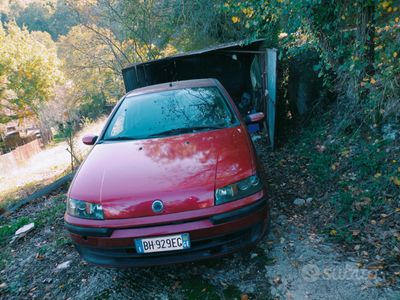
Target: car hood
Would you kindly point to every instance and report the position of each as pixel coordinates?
(182, 171)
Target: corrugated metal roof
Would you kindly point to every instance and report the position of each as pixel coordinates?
(224, 46)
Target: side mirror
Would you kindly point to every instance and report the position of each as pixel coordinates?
(254, 118)
(89, 139)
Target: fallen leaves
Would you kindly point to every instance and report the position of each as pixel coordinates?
(277, 280)
(395, 180)
(357, 182)
(376, 267)
(39, 256)
(359, 205)
(235, 19)
(321, 148)
(244, 297)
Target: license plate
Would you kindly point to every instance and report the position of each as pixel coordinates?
(163, 243)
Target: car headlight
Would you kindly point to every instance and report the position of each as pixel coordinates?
(86, 210)
(238, 190)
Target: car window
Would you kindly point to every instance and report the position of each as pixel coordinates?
(171, 112)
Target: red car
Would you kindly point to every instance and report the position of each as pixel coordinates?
(172, 178)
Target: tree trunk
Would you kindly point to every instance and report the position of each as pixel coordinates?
(365, 37)
(45, 130)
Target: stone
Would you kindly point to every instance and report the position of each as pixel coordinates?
(64, 265)
(253, 255)
(48, 280)
(389, 132)
(299, 201)
(25, 229)
(281, 220)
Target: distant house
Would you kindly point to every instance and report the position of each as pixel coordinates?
(14, 134)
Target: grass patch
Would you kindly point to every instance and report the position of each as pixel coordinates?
(198, 288)
(232, 292)
(4, 258)
(6, 231)
(49, 216)
(9, 229)
(46, 217)
(58, 138)
(62, 241)
(13, 195)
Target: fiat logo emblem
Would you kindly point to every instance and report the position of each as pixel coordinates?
(157, 206)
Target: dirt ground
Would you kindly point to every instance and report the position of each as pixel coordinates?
(45, 166)
(42, 167)
(295, 261)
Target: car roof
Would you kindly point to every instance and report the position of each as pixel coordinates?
(176, 85)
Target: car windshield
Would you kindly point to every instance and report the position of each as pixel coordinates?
(170, 113)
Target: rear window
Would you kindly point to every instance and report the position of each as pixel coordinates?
(171, 112)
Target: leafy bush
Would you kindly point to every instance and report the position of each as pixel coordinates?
(357, 42)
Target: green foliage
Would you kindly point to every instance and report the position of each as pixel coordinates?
(211, 21)
(37, 15)
(113, 34)
(46, 217)
(157, 28)
(28, 70)
(197, 286)
(256, 18)
(91, 63)
(358, 46)
(357, 42)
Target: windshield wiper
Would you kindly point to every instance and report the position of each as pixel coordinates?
(206, 127)
(183, 130)
(122, 138)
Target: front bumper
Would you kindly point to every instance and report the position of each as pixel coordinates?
(214, 236)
